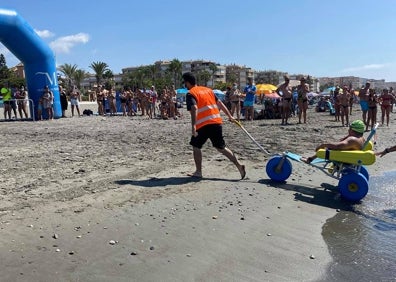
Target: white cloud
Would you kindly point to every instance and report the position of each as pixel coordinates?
(9, 57)
(44, 33)
(65, 43)
(365, 68)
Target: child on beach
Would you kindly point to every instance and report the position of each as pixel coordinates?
(40, 109)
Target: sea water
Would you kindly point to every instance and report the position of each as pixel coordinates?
(362, 241)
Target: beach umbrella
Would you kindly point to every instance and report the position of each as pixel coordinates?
(265, 88)
(273, 95)
(264, 92)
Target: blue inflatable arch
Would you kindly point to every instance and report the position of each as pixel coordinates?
(38, 59)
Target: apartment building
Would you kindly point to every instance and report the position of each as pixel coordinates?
(199, 66)
(239, 74)
(353, 82)
(19, 70)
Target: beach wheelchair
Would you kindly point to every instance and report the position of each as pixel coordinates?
(347, 166)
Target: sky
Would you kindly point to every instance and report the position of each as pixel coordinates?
(312, 37)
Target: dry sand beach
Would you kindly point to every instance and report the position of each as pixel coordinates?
(108, 199)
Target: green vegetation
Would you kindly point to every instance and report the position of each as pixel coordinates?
(7, 77)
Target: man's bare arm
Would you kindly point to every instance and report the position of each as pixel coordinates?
(350, 143)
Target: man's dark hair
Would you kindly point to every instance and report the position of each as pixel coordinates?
(189, 77)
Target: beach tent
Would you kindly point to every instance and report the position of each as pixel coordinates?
(329, 90)
(311, 95)
(181, 93)
(220, 94)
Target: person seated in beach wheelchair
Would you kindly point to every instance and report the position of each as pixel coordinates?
(343, 160)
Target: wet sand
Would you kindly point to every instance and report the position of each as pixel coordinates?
(107, 198)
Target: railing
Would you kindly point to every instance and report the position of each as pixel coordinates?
(15, 109)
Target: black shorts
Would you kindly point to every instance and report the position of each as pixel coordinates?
(214, 132)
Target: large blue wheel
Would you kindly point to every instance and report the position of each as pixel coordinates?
(363, 170)
(278, 172)
(353, 186)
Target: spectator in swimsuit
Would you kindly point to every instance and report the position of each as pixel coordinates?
(40, 109)
(74, 101)
(111, 97)
(302, 99)
(394, 97)
(337, 104)
(386, 100)
(164, 104)
(372, 111)
(285, 92)
(227, 100)
(48, 101)
(353, 141)
(235, 99)
(123, 101)
(363, 99)
(351, 100)
(22, 102)
(343, 98)
(63, 101)
(154, 97)
(99, 100)
(133, 102)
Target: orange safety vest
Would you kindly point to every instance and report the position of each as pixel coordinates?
(208, 112)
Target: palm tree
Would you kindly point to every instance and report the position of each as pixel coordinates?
(69, 71)
(231, 78)
(130, 80)
(79, 76)
(148, 75)
(4, 72)
(140, 73)
(152, 71)
(108, 76)
(175, 68)
(203, 76)
(99, 68)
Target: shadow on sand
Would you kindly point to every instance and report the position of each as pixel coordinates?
(327, 195)
(162, 182)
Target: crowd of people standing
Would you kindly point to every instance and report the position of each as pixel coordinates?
(370, 101)
(144, 102)
(239, 100)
